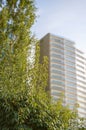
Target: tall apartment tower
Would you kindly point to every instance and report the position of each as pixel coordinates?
(67, 71)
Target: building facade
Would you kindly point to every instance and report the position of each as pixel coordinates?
(67, 71)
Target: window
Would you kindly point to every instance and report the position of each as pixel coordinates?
(57, 82)
(70, 74)
(79, 51)
(70, 68)
(70, 90)
(80, 71)
(57, 50)
(69, 43)
(70, 63)
(82, 77)
(57, 88)
(80, 66)
(70, 53)
(57, 45)
(57, 77)
(80, 56)
(71, 101)
(70, 79)
(57, 71)
(70, 48)
(72, 59)
(57, 55)
(55, 93)
(71, 84)
(58, 61)
(71, 95)
(81, 81)
(59, 41)
(80, 61)
(57, 66)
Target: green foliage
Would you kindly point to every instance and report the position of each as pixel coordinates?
(33, 110)
(16, 19)
(24, 105)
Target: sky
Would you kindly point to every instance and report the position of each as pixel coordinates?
(65, 18)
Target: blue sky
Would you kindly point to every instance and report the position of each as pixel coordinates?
(66, 18)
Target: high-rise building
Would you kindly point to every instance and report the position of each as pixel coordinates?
(67, 71)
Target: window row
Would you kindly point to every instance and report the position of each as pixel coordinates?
(71, 84)
(71, 95)
(57, 77)
(58, 41)
(70, 68)
(80, 56)
(71, 90)
(57, 61)
(57, 88)
(70, 48)
(57, 71)
(57, 55)
(70, 79)
(70, 63)
(57, 66)
(71, 74)
(57, 45)
(56, 93)
(80, 66)
(71, 101)
(69, 43)
(70, 58)
(70, 53)
(57, 50)
(57, 82)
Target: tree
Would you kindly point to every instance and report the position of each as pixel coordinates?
(24, 105)
(16, 20)
(17, 17)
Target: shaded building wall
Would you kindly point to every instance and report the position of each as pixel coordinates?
(45, 51)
